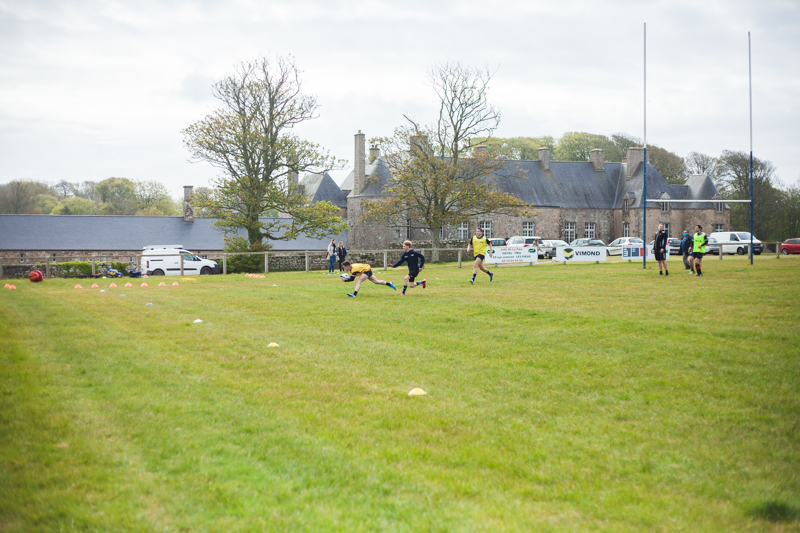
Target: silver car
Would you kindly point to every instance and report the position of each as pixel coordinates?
(615, 248)
(548, 247)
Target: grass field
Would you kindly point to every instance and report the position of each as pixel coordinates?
(560, 398)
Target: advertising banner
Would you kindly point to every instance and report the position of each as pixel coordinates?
(509, 255)
(572, 254)
(635, 252)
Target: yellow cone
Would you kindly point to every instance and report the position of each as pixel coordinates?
(417, 392)
(272, 345)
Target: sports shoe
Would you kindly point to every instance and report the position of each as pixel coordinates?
(491, 276)
(472, 281)
(424, 283)
(351, 295)
(402, 294)
(700, 275)
(660, 273)
(392, 285)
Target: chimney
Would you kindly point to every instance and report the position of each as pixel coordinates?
(359, 172)
(418, 142)
(374, 153)
(635, 156)
(480, 149)
(293, 179)
(544, 157)
(597, 159)
(188, 210)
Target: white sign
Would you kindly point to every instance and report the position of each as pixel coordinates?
(571, 254)
(509, 255)
(635, 252)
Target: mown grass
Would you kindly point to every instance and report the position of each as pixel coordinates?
(561, 398)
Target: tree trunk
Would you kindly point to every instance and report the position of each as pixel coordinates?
(436, 244)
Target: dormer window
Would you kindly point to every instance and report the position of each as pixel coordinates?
(719, 207)
(626, 205)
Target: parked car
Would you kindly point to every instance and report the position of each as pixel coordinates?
(736, 242)
(165, 260)
(615, 248)
(673, 245)
(587, 242)
(712, 248)
(548, 247)
(790, 246)
(497, 242)
(518, 240)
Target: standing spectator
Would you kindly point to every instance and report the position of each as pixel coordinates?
(332, 255)
(660, 249)
(341, 253)
(686, 250)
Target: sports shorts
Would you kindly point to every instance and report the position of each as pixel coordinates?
(697, 255)
(480, 256)
(660, 256)
(413, 274)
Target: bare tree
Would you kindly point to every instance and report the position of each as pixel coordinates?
(21, 196)
(697, 163)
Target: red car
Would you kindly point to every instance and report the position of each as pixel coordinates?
(790, 246)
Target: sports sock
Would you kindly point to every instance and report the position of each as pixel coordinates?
(473, 277)
(404, 288)
(667, 273)
(355, 292)
(660, 273)
(699, 271)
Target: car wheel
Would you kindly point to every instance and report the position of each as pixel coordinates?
(547, 255)
(158, 272)
(784, 252)
(740, 251)
(206, 271)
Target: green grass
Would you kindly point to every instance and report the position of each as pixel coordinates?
(561, 398)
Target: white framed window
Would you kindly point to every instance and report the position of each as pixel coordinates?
(569, 231)
(528, 229)
(626, 205)
(719, 227)
(441, 233)
(397, 234)
(408, 229)
(666, 228)
(588, 230)
(665, 207)
(486, 226)
(719, 207)
(626, 229)
(462, 233)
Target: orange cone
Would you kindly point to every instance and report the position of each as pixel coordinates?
(7, 286)
(95, 286)
(145, 276)
(144, 284)
(13, 287)
(128, 284)
(112, 285)
(78, 286)
(175, 284)
(162, 284)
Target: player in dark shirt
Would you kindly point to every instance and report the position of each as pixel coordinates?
(415, 262)
(660, 246)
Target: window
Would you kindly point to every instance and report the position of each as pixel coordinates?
(665, 207)
(441, 233)
(408, 229)
(626, 205)
(719, 227)
(589, 230)
(397, 234)
(626, 229)
(486, 226)
(666, 228)
(462, 232)
(527, 229)
(569, 231)
(719, 207)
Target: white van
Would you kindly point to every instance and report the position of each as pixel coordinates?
(736, 242)
(165, 260)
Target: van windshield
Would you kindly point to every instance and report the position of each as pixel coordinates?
(744, 236)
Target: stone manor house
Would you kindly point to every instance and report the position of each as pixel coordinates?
(571, 199)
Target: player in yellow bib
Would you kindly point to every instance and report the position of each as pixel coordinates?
(360, 272)
(478, 244)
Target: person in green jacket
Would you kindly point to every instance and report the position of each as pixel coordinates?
(699, 248)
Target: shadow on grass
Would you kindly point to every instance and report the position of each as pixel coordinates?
(774, 511)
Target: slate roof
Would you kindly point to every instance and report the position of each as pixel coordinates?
(321, 187)
(377, 175)
(72, 232)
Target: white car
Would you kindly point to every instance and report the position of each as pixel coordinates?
(518, 240)
(165, 260)
(549, 247)
(736, 242)
(615, 248)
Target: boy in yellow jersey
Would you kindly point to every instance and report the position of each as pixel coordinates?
(699, 243)
(478, 244)
(361, 272)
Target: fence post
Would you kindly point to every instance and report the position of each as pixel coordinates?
(93, 272)
(224, 263)
(266, 262)
(306, 260)
(385, 258)
(181, 264)
(459, 258)
(777, 252)
(720, 252)
(1, 268)
(46, 268)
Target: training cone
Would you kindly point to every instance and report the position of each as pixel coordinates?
(113, 285)
(175, 284)
(145, 276)
(144, 284)
(95, 286)
(7, 286)
(417, 392)
(272, 345)
(162, 284)
(78, 286)
(13, 287)
(198, 321)
(128, 285)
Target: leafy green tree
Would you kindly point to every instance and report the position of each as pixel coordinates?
(576, 146)
(671, 166)
(21, 197)
(734, 180)
(75, 206)
(152, 199)
(524, 148)
(251, 139)
(117, 196)
(449, 180)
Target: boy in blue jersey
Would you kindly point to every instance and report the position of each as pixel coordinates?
(415, 262)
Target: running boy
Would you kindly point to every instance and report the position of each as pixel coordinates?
(478, 244)
(410, 257)
(360, 272)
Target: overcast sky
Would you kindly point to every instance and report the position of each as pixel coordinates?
(94, 89)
